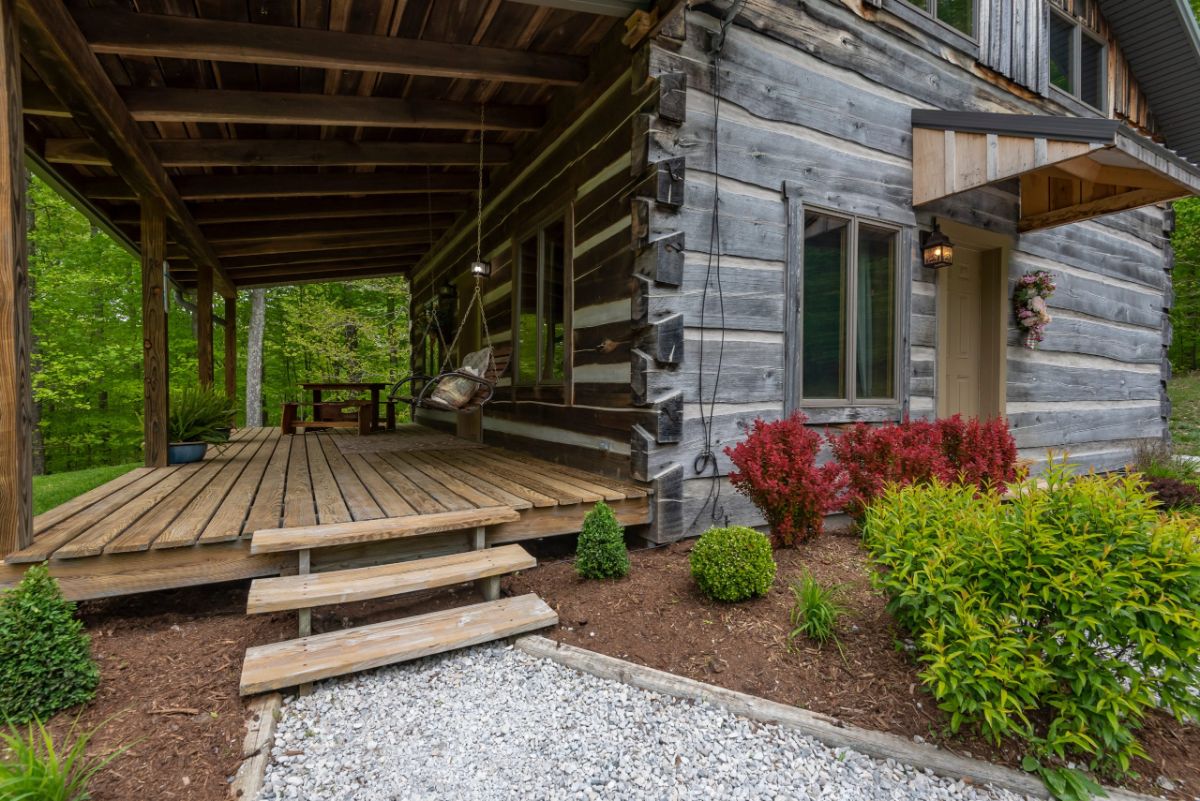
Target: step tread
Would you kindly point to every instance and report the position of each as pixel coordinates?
(273, 540)
(321, 656)
(361, 584)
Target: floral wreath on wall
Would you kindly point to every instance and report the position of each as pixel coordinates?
(1029, 305)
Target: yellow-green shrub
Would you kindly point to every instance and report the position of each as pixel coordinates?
(733, 564)
(1060, 616)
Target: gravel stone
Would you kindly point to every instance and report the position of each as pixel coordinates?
(493, 724)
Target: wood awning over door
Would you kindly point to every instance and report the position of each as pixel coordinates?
(1070, 169)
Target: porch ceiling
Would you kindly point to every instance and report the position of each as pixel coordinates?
(1070, 169)
(307, 140)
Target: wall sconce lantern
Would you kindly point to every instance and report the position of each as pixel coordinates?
(481, 269)
(937, 251)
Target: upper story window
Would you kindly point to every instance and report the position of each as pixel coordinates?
(540, 334)
(848, 326)
(958, 14)
(1077, 60)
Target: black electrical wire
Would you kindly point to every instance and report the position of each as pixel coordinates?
(706, 460)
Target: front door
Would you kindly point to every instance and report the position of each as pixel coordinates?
(970, 348)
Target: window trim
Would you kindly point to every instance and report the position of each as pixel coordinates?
(930, 24)
(794, 330)
(538, 229)
(1075, 69)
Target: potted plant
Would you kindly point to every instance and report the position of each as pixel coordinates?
(197, 418)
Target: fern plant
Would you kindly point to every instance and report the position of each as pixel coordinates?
(199, 415)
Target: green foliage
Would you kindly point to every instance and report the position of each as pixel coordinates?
(199, 415)
(87, 340)
(816, 610)
(1185, 279)
(1059, 616)
(45, 656)
(1154, 459)
(58, 488)
(1064, 784)
(601, 551)
(733, 564)
(1184, 392)
(35, 769)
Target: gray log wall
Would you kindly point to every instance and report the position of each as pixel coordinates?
(818, 96)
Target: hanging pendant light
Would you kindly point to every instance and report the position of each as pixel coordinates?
(937, 251)
(480, 268)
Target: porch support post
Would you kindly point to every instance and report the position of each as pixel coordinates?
(16, 401)
(204, 326)
(154, 332)
(230, 364)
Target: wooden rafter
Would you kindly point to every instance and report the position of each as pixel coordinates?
(286, 153)
(318, 242)
(154, 35)
(60, 54)
(325, 268)
(294, 108)
(257, 232)
(311, 209)
(333, 275)
(343, 255)
(283, 185)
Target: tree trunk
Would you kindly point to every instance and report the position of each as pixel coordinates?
(254, 357)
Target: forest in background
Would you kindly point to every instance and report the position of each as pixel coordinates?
(87, 341)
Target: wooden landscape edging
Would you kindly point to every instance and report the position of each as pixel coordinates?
(256, 748)
(830, 731)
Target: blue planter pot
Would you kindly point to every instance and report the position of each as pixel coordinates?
(184, 452)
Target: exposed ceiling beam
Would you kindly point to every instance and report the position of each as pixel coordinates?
(323, 278)
(351, 253)
(53, 44)
(155, 35)
(220, 187)
(286, 153)
(256, 232)
(317, 242)
(323, 267)
(605, 8)
(38, 101)
(310, 209)
(296, 108)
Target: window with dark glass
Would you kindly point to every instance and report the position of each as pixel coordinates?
(1077, 60)
(958, 14)
(848, 315)
(540, 334)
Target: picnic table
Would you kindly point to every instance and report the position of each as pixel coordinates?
(317, 388)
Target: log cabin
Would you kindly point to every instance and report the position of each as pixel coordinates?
(678, 216)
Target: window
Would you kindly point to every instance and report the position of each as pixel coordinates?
(958, 14)
(848, 324)
(1077, 60)
(541, 312)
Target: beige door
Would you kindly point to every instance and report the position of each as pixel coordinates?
(969, 350)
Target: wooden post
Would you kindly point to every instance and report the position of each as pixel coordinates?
(305, 615)
(16, 401)
(489, 587)
(154, 332)
(231, 349)
(204, 326)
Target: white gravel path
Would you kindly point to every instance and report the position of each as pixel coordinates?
(492, 723)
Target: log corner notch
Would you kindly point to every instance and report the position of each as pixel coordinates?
(658, 320)
(16, 400)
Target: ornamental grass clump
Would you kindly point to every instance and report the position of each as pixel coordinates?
(733, 564)
(601, 551)
(815, 610)
(776, 468)
(1059, 617)
(45, 656)
(35, 768)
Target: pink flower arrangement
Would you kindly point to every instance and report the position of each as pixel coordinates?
(1029, 305)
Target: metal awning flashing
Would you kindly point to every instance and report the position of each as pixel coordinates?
(1070, 169)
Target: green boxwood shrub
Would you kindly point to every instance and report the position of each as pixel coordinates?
(1059, 616)
(601, 551)
(45, 656)
(733, 564)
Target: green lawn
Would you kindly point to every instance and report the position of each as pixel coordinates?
(58, 488)
(1184, 392)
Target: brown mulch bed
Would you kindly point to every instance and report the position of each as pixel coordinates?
(657, 617)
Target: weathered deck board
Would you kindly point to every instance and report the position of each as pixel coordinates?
(264, 480)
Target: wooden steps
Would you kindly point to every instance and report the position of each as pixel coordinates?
(322, 656)
(296, 538)
(345, 586)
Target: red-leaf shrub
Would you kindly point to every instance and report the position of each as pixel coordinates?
(776, 468)
(918, 451)
(1173, 493)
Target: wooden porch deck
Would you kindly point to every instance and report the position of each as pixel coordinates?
(158, 528)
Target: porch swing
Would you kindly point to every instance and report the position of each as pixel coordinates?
(473, 384)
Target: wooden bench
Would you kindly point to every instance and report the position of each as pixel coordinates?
(329, 415)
